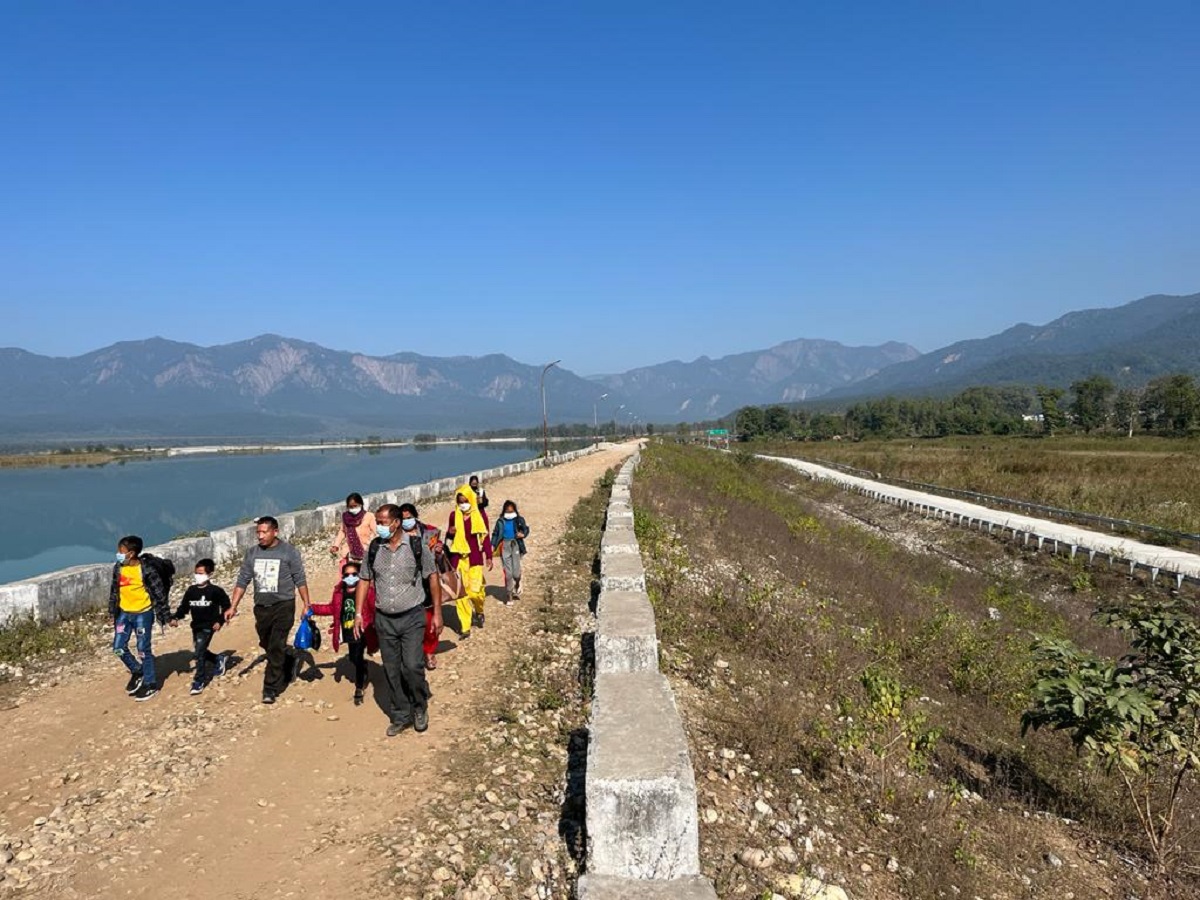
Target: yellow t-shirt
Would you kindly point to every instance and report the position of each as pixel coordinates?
(134, 596)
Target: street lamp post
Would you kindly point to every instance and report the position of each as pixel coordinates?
(595, 418)
(545, 426)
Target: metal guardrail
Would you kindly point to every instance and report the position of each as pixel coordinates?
(1158, 535)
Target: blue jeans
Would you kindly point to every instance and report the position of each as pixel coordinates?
(141, 624)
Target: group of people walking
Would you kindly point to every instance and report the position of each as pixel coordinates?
(396, 572)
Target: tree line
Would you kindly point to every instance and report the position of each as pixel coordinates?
(1168, 406)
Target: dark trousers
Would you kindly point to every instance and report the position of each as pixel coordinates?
(273, 624)
(400, 638)
(201, 638)
(357, 650)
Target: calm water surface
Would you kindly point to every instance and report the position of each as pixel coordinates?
(51, 518)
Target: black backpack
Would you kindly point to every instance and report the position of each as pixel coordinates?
(164, 567)
(414, 544)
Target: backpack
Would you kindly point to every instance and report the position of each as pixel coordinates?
(164, 567)
(415, 543)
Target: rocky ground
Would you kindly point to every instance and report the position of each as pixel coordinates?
(217, 794)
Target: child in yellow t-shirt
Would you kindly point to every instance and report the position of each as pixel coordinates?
(137, 596)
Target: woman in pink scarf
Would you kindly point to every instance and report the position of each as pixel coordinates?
(356, 533)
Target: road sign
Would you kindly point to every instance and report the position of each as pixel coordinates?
(718, 431)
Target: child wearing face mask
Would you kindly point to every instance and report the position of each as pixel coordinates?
(342, 606)
(207, 604)
(509, 536)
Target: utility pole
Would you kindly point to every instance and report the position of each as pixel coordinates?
(545, 426)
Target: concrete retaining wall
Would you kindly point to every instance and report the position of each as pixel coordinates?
(642, 823)
(1054, 535)
(68, 592)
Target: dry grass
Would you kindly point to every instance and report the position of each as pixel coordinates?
(1154, 481)
(749, 565)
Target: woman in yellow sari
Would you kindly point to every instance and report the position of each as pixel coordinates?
(469, 542)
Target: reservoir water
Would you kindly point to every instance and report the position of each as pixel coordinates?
(51, 518)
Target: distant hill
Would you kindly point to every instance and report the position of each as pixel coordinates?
(274, 386)
(795, 370)
(270, 386)
(1130, 344)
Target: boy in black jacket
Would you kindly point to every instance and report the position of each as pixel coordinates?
(207, 604)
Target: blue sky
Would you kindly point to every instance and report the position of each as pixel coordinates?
(615, 184)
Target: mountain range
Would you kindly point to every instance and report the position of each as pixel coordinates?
(279, 387)
(1130, 344)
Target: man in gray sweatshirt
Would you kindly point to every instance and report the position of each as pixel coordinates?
(277, 571)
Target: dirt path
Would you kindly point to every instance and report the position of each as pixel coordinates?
(218, 795)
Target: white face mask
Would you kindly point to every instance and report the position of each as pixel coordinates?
(354, 510)
(465, 507)
(510, 515)
(200, 578)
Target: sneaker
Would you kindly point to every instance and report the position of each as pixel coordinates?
(145, 692)
(396, 727)
(268, 697)
(421, 720)
(222, 665)
(134, 682)
(197, 687)
(477, 620)
(464, 635)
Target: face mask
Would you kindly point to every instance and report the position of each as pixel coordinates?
(408, 524)
(354, 510)
(510, 515)
(200, 578)
(465, 507)
(383, 531)
(120, 557)
(350, 580)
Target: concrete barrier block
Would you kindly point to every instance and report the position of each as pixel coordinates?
(618, 519)
(184, 553)
(622, 572)
(641, 793)
(18, 600)
(607, 887)
(72, 591)
(306, 523)
(626, 638)
(331, 515)
(619, 539)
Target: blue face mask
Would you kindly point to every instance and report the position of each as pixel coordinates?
(350, 580)
(408, 524)
(383, 531)
(121, 557)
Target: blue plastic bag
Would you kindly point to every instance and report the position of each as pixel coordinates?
(303, 639)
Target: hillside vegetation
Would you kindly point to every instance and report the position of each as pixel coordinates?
(853, 681)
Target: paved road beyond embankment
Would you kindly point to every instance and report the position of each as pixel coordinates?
(1118, 550)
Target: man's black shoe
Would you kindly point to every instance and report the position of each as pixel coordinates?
(134, 682)
(268, 697)
(421, 720)
(396, 727)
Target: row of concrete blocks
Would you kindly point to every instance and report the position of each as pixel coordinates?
(643, 832)
(68, 592)
(1181, 564)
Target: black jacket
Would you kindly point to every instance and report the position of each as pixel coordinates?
(207, 604)
(154, 587)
